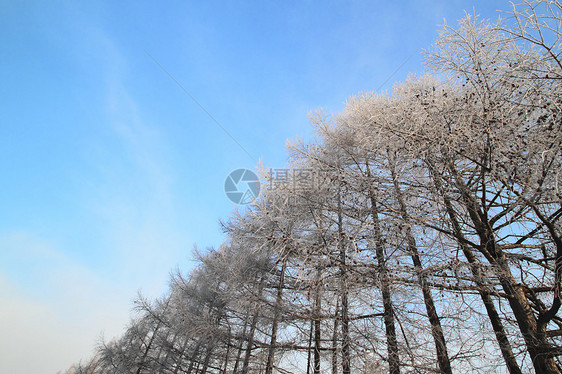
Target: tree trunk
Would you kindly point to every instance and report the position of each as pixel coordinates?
(436, 329)
(193, 358)
(536, 343)
(346, 354)
(493, 315)
(240, 345)
(179, 359)
(388, 313)
(207, 358)
(309, 352)
(253, 325)
(227, 354)
(275, 323)
(317, 331)
(335, 339)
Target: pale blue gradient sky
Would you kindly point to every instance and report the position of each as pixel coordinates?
(109, 173)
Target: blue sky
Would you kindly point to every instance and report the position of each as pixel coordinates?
(110, 173)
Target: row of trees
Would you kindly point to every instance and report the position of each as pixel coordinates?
(429, 240)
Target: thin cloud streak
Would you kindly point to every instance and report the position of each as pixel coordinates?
(200, 106)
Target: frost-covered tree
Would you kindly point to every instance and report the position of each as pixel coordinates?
(430, 240)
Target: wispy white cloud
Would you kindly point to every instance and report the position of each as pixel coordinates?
(135, 197)
(55, 300)
(53, 319)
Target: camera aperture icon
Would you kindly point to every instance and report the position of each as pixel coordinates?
(242, 186)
